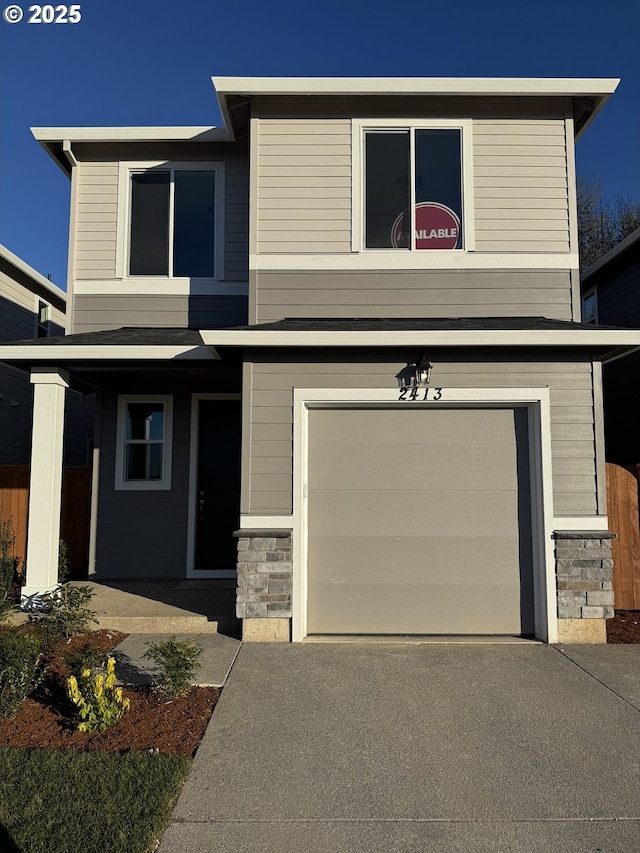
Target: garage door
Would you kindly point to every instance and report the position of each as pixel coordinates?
(419, 522)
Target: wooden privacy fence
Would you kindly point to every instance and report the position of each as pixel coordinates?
(75, 517)
(622, 509)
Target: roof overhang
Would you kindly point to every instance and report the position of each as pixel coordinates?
(589, 94)
(34, 275)
(608, 341)
(611, 255)
(58, 141)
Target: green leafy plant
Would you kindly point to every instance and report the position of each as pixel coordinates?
(99, 702)
(8, 565)
(85, 658)
(21, 668)
(63, 562)
(68, 612)
(177, 662)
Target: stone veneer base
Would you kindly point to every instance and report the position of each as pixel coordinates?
(264, 584)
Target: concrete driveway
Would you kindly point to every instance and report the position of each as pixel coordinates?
(336, 748)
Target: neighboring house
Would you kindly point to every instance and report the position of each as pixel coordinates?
(611, 295)
(31, 306)
(346, 325)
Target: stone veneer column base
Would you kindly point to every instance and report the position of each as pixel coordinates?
(263, 599)
(584, 571)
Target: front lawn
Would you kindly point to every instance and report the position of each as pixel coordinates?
(56, 801)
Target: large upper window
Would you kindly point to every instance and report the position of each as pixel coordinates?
(413, 188)
(175, 221)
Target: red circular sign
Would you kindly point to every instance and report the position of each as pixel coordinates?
(436, 225)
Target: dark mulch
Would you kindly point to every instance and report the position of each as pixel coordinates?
(47, 720)
(624, 627)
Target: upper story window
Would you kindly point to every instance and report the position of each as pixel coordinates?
(590, 307)
(415, 185)
(175, 226)
(43, 324)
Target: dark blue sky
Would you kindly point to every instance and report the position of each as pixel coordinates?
(149, 63)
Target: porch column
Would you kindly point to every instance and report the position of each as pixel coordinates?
(45, 487)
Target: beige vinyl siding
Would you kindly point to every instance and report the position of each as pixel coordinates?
(520, 186)
(402, 293)
(96, 220)
(304, 186)
(572, 414)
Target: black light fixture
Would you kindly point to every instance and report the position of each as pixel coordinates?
(416, 374)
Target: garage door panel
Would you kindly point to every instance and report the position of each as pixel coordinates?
(461, 467)
(422, 559)
(403, 426)
(415, 513)
(419, 521)
(407, 609)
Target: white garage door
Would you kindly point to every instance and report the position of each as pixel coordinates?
(419, 521)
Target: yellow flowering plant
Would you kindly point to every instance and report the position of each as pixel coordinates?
(99, 702)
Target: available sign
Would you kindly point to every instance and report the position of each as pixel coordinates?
(436, 227)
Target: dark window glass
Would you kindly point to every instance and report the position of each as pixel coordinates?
(387, 191)
(193, 224)
(438, 176)
(589, 308)
(145, 421)
(149, 253)
(43, 320)
(144, 462)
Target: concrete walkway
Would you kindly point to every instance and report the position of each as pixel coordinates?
(354, 749)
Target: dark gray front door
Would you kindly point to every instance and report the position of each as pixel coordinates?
(218, 486)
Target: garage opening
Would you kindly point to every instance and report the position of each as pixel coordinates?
(419, 522)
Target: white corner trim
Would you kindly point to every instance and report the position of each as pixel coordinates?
(538, 402)
(392, 259)
(266, 522)
(598, 522)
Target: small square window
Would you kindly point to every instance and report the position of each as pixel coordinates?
(143, 451)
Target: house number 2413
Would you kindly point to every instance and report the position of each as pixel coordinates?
(414, 394)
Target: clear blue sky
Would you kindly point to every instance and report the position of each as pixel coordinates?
(149, 63)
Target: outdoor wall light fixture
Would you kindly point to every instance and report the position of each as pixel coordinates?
(416, 374)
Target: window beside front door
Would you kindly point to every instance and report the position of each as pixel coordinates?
(143, 449)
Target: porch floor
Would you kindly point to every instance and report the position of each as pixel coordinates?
(165, 606)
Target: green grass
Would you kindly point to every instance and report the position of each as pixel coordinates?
(53, 801)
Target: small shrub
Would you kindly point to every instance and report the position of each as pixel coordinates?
(21, 668)
(69, 612)
(177, 662)
(8, 565)
(84, 658)
(63, 562)
(99, 702)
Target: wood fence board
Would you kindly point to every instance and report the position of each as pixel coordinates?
(75, 515)
(624, 520)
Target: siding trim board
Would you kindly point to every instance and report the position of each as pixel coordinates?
(536, 400)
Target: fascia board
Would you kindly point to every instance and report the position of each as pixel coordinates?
(529, 86)
(60, 353)
(129, 134)
(456, 338)
(37, 277)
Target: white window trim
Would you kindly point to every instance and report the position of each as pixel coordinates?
(537, 402)
(358, 128)
(126, 169)
(120, 483)
(593, 291)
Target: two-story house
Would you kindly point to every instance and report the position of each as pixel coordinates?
(341, 333)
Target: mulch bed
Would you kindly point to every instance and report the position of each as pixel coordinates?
(624, 627)
(153, 723)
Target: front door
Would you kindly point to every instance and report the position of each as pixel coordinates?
(218, 484)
